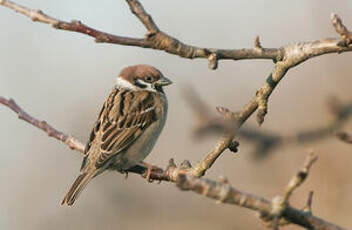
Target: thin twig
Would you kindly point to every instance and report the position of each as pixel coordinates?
(266, 141)
(207, 123)
(308, 206)
(300, 177)
(257, 43)
(345, 137)
(70, 141)
(341, 29)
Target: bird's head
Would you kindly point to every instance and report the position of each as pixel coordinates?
(143, 77)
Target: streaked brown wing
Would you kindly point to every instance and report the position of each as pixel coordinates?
(94, 131)
(92, 136)
(124, 117)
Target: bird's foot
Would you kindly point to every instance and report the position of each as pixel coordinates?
(149, 171)
(126, 174)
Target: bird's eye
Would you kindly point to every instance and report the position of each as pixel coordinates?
(148, 79)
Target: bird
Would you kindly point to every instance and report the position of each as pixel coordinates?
(127, 127)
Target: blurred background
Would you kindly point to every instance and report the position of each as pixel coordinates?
(64, 78)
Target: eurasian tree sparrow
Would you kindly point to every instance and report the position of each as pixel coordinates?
(128, 125)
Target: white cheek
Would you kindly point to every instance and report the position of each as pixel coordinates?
(125, 84)
(149, 86)
(120, 82)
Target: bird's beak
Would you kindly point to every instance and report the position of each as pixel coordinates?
(163, 82)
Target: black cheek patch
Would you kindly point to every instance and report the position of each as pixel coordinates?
(139, 84)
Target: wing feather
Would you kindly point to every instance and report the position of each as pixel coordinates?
(123, 119)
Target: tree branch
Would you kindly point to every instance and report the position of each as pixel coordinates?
(300, 177)
(157, 39)
(268, 141)
(205, 122)
(147, 20)
(223, 192)
(345, 35)
(345, 137)
(70, 141)
(154, 39)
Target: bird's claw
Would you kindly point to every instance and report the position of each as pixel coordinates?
(149, 172)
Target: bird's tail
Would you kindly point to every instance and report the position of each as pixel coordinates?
(77, 187)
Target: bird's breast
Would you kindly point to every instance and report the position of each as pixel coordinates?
(140, 149)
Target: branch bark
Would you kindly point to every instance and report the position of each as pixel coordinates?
(345, 35)
(157, 39)
(70, 141)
